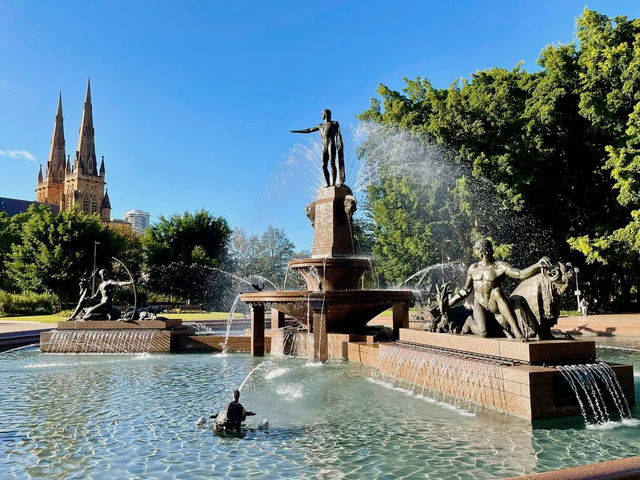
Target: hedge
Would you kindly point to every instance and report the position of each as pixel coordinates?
(14, 304)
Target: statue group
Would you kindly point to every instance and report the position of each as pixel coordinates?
(529, 312)
(98, 306)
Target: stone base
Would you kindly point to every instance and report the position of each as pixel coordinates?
(531, 392)
(302, 344)
(119, 324)
(535, 352)
(107, 341)
(139, 336)
(214, 343)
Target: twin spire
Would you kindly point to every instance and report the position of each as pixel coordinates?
(84, 161)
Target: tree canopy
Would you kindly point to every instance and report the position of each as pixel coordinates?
(180, 252)
(542, 161)
(55, 251)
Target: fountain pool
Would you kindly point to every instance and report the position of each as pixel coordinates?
(129, 416)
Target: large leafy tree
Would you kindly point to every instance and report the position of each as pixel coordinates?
(273, 252)
(181, 252)
(55, 251)
(10, 233)
(266, 255)
(610, 100)
(532, 160)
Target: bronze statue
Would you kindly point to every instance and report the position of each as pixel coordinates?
(85, 300)
(331, 143)
(536, 301)
(486, 278)
(100, 305)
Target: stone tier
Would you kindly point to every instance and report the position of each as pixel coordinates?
(331, 273)
(342, 310)
(536, 352)
(158, 324)
(531, 392)
(117, 336)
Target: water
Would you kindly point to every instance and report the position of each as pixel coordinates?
(229, 322)
(128, 416)
(109, 341)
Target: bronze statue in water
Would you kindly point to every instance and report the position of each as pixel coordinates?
(485, 278)
(100, 305)
(331, 145)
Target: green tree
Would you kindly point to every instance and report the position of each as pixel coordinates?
(534, 157)
(180, 252)
(55, 251)
(10, 234)
(273, 252)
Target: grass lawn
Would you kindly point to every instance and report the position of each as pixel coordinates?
(187, 317)
(34, 318)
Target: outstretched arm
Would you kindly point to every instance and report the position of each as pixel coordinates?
(122, 284)
(526, 272)
(306, 130)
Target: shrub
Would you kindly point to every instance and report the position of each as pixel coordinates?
(28, 303)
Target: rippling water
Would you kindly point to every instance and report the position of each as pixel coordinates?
(133, 416)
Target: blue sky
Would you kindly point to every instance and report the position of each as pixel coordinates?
(193, 100)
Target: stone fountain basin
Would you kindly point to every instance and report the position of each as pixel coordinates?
(331, 273)
(345, 310)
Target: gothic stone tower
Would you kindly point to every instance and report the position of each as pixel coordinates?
(51, 189)
(81, 185)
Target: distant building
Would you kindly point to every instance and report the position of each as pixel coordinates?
(81, 184)
(139, 220)
(13, 206)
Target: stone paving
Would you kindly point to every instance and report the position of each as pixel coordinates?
(7, 326)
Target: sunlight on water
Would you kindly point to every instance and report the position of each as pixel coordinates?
(134, 416)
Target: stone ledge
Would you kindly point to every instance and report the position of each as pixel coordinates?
(533, 352)
(626, 468)
(118, 324)
(213, 343)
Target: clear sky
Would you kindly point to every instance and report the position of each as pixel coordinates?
(193, 100)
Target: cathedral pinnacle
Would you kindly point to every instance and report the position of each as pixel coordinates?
(86, 152)
(55, 163)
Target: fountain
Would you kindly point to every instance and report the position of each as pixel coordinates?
(510, 362)
(526, 378)
(333, 302)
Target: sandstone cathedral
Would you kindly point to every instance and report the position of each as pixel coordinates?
(81, 184)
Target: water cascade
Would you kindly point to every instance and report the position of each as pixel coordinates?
(105, 341)
(445, 377)
(592, 384)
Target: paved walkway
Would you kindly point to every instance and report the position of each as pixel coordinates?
(14, 334)
(7, 326)
(601, 325)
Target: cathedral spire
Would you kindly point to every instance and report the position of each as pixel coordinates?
(40, 174)
(86, 153)
(55, 163)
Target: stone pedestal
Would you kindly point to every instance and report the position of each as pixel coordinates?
(320, 340)
(277, 319)
(257, 330)
(332, 234)
(400, 317)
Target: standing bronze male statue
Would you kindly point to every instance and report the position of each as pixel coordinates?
(486, 277)
(331, 143)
